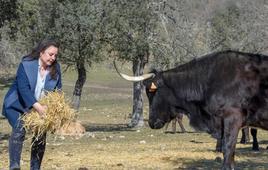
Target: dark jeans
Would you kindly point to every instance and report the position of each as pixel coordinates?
(15, 147)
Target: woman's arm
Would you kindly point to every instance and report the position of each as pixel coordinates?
(40, 109)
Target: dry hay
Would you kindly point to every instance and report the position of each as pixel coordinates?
(73, 128)
(58, 114)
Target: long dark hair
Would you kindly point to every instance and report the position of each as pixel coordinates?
(41, 47)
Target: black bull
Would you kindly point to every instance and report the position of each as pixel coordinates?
(219, 92)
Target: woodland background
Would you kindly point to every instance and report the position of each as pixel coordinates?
(145, 34)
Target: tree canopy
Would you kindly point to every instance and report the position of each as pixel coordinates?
(161, 33)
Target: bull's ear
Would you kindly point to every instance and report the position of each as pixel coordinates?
(153, 87)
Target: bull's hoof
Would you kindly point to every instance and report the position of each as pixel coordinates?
(255, 147)
(218, 159)
(218, 150)
(244, 141)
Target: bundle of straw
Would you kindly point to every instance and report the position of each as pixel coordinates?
(58, 113)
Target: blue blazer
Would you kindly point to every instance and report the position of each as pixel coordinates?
(20, 97)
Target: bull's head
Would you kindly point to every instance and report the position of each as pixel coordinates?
(158, 95)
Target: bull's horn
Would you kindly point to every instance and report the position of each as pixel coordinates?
(134, 78)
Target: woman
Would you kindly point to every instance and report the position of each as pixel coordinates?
(37, 72)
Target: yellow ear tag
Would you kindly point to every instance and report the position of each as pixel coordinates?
(152, 88)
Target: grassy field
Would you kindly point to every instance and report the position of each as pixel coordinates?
(110, 144)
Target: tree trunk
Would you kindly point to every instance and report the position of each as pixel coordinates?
(137, 112)
(81, 71)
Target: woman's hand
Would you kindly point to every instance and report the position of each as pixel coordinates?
(40, 109)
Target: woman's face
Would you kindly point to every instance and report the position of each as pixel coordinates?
(48, 56)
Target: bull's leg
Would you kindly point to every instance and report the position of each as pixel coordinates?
(218, 123)
(232, 124)
(181, 125)
(219, 145)
(245, 135)
(174, 125)
(255, 144)
(179, 119)
(166, 126)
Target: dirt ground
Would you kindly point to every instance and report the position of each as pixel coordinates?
(109, 144)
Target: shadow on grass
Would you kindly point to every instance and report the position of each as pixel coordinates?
(178, 132)
(107, 127)
(3, 147)
(196, 164)
(204, 164)
(6, 82)
(252, 161)
(4, 136)
(247, 151)
(263, 142)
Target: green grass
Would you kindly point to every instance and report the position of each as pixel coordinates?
(109, 144)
